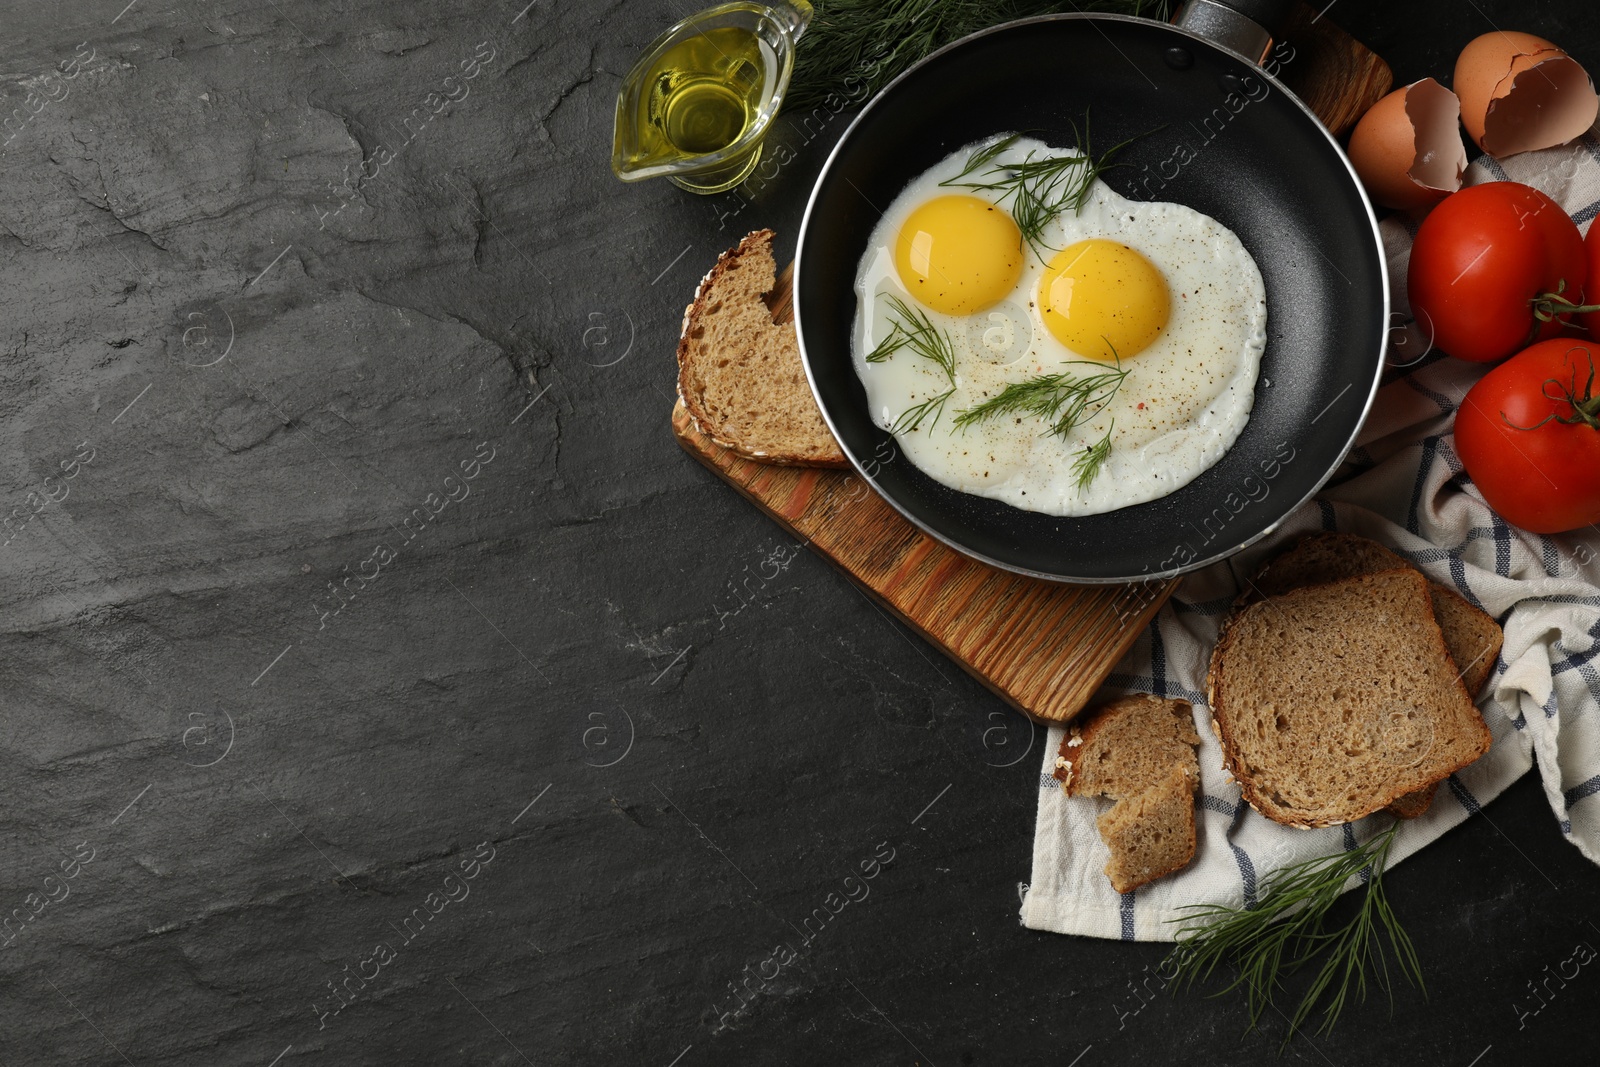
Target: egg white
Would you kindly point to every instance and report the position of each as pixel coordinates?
(1184, 402)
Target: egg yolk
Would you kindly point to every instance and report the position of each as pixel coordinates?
(959, 254)
(1103, 300)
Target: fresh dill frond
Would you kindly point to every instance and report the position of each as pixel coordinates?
(893, 341)
(1087, 466)
(982, 158)
(1061, 399)
(911, 328)
(853, 48)
(1040, 189)
(912, 417)
(1288, 929)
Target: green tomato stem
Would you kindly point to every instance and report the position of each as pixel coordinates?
(1585, 409)
(1549, 306)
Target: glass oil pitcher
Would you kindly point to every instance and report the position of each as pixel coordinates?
(697, 104)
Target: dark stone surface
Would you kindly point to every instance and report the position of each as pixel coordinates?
(545, 672)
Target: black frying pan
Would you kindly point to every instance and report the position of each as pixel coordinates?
(1271, 173)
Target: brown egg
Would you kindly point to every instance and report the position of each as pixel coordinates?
(1520, 93)
(1407, 150)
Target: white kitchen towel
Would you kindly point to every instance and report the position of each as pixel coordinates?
(1404, 487)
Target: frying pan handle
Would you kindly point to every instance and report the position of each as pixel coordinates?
(1246, 26)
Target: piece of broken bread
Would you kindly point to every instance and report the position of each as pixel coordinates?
(739, 372)
(1139, 751)
(1150, 834)
(1122, 748)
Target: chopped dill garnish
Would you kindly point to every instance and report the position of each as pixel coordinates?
(1288, 929)
(1061, 399)
(853, 48)
(1039, 189)
(1087, 466)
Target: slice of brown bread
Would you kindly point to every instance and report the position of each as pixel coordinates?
(1474, 640)
(739, 372)
(1471, 635)
(1321, 557)
(1120, 749)
(1150, 834)
(1332, 701)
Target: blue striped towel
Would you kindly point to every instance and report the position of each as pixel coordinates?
(1404, 487)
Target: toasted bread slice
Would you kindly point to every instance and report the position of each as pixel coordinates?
(739, 372)
(1120, 749)
(1333, 701)
(1150, 834)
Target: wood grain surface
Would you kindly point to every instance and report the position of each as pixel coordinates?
(1045, 647)
(1337, 76)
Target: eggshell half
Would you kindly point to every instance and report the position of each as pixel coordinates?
(1520, 93)
(1407, 150)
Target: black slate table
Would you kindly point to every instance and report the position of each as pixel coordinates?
(370, 684)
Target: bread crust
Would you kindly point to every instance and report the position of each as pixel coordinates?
(755, 243)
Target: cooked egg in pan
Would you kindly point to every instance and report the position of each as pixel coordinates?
(1105, 362)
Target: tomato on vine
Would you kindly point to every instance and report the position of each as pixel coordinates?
(1529, 434)
(1495, 268)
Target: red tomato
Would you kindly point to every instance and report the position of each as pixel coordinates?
(1529, 434)
(1591, 245)
(1494, 268)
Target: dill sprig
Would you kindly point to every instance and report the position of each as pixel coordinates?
(1040, 189)
(896, 339)
(912, 417)
(982, 158)
(911, 328)
(1288, 930)
(853, 48)
(1061, 399)
(1087, 466)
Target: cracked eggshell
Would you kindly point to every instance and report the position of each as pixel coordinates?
(1520, 93)
(1407, 149)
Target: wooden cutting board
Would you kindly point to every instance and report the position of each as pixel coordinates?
(1044, 647)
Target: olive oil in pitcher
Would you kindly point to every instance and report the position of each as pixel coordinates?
(706, 90)
(698, 102)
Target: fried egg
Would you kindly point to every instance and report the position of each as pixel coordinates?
(1154, 313)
